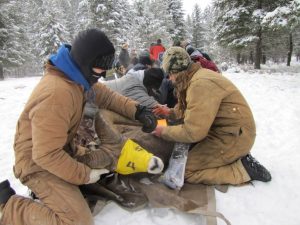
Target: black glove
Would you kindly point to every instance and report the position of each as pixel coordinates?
(146, 117)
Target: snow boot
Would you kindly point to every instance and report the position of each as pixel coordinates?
(5, 193)
(255, 170)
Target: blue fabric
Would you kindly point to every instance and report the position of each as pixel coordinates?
(63, 61)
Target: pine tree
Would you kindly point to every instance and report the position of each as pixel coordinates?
(215, 51)
(110, 16)
(240, 26)
(12, 35)
(84, 15)
(234, 26)
(141, 24)
(161, 22)
(49, 31)
(189, 27)
(297, 42)
(176, 11)
(3, 35)
(125, 23)
(285, 18)
(197, 30)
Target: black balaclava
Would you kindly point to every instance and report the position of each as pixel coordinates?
(92, 48)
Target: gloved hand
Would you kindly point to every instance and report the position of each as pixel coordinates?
(161, 110)
(158, 130)
(146, 117)
(96, 174)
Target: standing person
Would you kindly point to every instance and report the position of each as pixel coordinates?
(217, 121)
(48, 124)
(156, 50)
(124, 58)
(133, 59)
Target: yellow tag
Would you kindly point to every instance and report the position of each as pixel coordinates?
(133, 159)
(162, 122)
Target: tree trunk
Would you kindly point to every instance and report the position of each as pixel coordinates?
(289, 58)
(264, 59)
(258, 50)
(1, 72)
(238, 58)
(251, 57)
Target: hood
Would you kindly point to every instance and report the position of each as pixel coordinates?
(63, 61)
(139, 75)
(196, 53)
(139, 66)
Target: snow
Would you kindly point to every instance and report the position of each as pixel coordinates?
(274, 96)
(277, 17)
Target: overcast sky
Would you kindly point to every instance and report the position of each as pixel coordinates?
(188, 5)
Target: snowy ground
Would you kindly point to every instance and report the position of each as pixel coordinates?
(275, 101)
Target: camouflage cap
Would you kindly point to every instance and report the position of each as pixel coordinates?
(175, 60)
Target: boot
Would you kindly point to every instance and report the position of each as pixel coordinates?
(255, 170)
(5, 193)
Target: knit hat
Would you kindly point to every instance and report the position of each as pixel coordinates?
(92, 48)
(189, 49)
(153, 78)
(144, 58)
(175, 60)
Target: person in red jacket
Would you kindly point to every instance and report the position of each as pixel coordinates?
(156, 50)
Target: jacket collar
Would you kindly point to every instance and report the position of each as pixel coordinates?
(193, 68)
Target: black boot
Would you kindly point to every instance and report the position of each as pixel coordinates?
(5, 192)
(255, 170)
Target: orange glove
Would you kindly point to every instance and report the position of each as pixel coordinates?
(161, 110)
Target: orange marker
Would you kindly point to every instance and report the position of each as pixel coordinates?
(162, 122)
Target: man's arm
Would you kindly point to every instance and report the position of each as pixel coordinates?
(50, 123)
(111, 100)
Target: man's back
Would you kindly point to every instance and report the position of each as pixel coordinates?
(131, 85)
